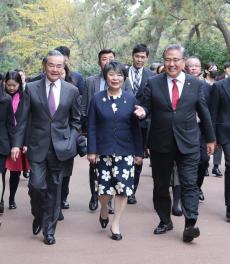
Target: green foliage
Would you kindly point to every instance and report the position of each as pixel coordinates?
(208, 50)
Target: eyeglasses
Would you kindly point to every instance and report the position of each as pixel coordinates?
(193, 66)
(174, 60)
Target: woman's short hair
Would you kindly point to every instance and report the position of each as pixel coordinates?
(116, 66)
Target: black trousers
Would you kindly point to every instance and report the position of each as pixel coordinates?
(203, 163)
(162, 166)
(45, 190)
(226, 150)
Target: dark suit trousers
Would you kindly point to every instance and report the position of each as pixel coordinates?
(162, 166)
(204, 161)
(92, 179)
(226, 150)
(45, 190)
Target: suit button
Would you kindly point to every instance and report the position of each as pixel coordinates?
(174, 112)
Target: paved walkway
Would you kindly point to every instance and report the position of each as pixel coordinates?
(80, 239)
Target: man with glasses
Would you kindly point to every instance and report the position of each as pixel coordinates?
(173, 99)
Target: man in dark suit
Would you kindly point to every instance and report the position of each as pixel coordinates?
(220, 112)
(174, 99)
(226, 73)
(93, 85)
(54, 109)
(138, 76)
(193, 67)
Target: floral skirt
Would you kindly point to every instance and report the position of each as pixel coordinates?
(115, 175)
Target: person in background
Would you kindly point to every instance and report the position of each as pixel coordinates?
(210, 74)
(138, 76)
(226, 73)
(193, 67)
(25, 173)
(153, 67)
(220, 112)
(6, 134)
(14, 87)
(114, 144)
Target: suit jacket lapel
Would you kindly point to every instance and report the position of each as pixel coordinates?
(96, 82)
(185, 90)
(42, 95)
(63, 97)
(165, 89)
(226, 86)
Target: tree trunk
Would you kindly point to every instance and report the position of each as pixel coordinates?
(224, 30)
(156, 40)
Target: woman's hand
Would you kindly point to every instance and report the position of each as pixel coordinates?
(138, 160)
(92, 158)
(24, 149)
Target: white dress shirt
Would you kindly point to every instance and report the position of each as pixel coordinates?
(56, 90)
(180, 83)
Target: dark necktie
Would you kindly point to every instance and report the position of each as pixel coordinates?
(175, 94)
(51, 100)
(136, 81)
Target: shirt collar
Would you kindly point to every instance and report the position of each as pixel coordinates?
(180, 78)
(134, 69)
(56, 83)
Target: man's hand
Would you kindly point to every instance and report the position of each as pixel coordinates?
(15, 153)
(210, 148)
(139, 112)
(138, 160)
(92, 158)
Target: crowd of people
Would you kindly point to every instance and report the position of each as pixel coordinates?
(174, 113)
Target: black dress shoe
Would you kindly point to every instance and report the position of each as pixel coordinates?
(12, 205)
(36, 226)
(176, 212)
(227, 217)
(61, 216)
(26, 174)
(132, 199)
(93, 203)
(64, 204)
(216, 172)
(103, 222)
(1, 207)
(201, 195)
(163, 228)
(190, 233)
(49, 240)
(116, 236)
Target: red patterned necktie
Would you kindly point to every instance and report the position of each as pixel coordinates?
(175, 94)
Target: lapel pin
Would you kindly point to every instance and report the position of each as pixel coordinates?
(104, 99)
(188, 83)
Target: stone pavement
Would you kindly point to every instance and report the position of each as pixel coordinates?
(81, 240)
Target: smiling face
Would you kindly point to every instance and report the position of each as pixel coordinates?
(54, 67)
(173, 62)
(114, 80)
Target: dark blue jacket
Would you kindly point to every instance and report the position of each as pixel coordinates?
(113, 133)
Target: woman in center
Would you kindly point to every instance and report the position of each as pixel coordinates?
(114, 144)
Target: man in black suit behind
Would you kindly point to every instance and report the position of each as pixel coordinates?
(138, 76)
(174, 99)
(54, 109)
(220, 112)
